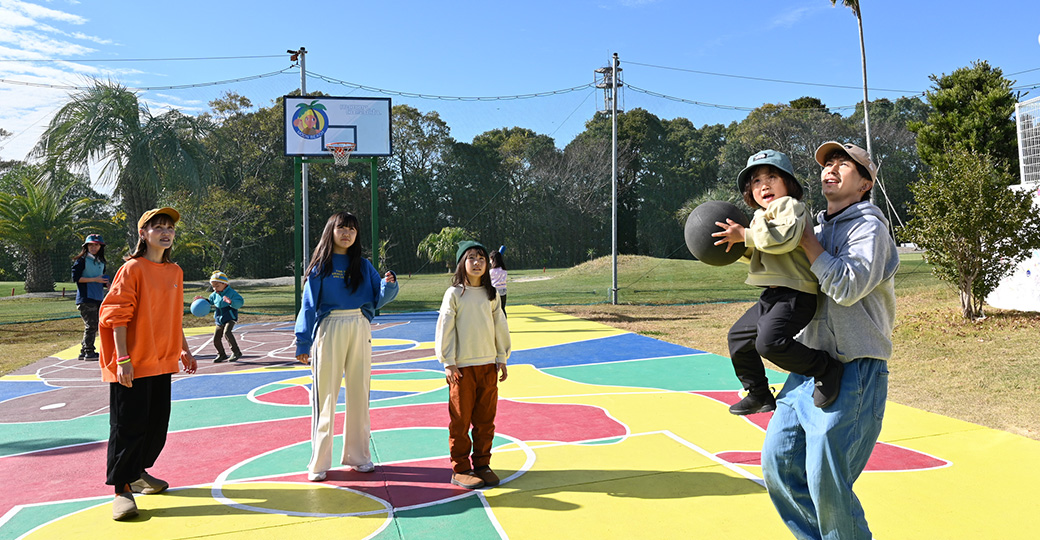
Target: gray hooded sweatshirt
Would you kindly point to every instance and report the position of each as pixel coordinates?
(856, 310)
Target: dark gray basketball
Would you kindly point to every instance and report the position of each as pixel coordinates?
(700, 226)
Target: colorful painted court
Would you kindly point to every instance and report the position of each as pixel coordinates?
(601, 434)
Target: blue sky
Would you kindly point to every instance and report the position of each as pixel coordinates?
(499, 49)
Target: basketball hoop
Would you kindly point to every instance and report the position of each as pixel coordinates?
(341, 152)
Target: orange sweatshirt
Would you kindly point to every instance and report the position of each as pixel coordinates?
(148, 299)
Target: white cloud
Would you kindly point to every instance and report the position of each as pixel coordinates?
(794, 16)
(36, 12)
(36, 89)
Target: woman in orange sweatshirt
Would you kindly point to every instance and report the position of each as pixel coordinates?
(141, 343)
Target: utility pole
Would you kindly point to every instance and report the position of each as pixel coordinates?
(302, 56)
(611, 104)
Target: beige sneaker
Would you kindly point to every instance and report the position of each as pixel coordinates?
(124, 507)
(467, 479)
(148, 485)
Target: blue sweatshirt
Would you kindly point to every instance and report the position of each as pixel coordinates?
(88, 266)
(225, 312)
(324, 294)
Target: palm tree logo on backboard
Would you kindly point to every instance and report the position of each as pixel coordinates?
(310, 121)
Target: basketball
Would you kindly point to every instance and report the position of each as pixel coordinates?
(700, 226)
(200, 307)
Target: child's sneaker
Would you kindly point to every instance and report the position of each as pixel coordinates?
(235, 356)
(754, 402)
(219, 359)
(366, 468)
(467, 479)
(91, 357)
(487, 475)
(828, 385)
(316, 476)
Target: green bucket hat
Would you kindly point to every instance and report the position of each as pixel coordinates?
(765, 157)
(466, 245)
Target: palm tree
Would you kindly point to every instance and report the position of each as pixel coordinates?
(141, 154)
(443, 245)
(38, 219)
(854, 6)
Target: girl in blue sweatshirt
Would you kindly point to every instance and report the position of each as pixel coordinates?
(341, 294)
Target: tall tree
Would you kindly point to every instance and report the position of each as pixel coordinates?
(895, 152)
(36, 219)
(972, 108)
(854, 6)
(142, 154)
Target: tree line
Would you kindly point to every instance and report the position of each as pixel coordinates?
(225, 172)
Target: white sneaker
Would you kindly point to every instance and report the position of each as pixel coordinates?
(316, 477)
(366, 468)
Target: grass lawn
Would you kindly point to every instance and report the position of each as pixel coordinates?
(981, 371)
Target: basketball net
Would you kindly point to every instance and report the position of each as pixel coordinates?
(341, 152)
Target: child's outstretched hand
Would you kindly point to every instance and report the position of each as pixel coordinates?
(189, 363)
(731, 233)
(503, 372)
(453, 374)
(389, 276)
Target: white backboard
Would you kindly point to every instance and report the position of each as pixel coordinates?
(311, 122)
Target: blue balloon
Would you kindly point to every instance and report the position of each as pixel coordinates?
(200, 307)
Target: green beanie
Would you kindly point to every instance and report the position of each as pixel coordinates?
(467, 245)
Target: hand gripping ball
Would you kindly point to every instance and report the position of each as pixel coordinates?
(700, 226)
(200, 307)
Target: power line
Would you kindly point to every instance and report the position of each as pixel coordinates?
(915, 92)
(176, 59)
(147, 88)
(349, 84)
(718, 106)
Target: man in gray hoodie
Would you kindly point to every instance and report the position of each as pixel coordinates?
(812, 456)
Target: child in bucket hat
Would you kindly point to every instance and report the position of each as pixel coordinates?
(227, 302)
(780, 266)
(88, 273)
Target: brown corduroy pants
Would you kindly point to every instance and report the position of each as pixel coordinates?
(473, 401)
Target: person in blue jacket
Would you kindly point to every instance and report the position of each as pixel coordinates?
(341, 295)
(227, 302)
(88, 273)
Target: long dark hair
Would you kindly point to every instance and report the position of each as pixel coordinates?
(485, 279)
(498, 260)
(322, 256)
(100, 254)
(142, 246)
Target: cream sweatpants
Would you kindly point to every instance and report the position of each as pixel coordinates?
(342, 350)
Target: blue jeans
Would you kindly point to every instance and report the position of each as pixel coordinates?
(812, 456)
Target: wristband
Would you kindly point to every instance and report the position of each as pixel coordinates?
(123, 359)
